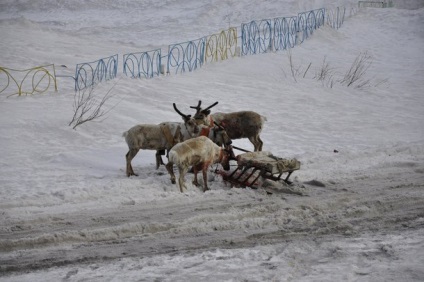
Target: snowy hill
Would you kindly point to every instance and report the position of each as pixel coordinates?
(69, 212)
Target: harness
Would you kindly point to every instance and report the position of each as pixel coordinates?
(205, 131)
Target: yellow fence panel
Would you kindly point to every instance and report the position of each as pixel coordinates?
(221, 46)
(34, 80)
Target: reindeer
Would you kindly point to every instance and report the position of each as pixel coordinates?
(158, 137)
(243, 124)
(215, 132)
(199, 152)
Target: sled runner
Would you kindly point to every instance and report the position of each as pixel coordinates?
(252, 166)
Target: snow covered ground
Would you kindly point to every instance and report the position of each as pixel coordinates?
(68, 212)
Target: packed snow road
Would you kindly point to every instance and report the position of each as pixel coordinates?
(239, 218)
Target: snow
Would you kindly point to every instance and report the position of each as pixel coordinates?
(68, 211)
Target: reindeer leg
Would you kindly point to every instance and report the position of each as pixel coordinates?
(205, 177)
(129, 156)
(181, 182)
(255, 143)
(170, 168)
(159, 161)
(195, 171)
(261, 143)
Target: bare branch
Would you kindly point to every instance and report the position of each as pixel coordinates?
(88, 108)
(328, 75)
(307, 69)
(291, 65)
(358, 69)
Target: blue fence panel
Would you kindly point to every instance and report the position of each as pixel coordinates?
(302, 27)
(256, 37)
(285, 32)
(142, 64)
(89, 74)
(320, 17)
(186, 56)
(308, 22)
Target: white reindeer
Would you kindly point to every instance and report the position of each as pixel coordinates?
(199, 152)
(159, 137)
(243, 124)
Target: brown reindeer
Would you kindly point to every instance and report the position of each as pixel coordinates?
(243, 124)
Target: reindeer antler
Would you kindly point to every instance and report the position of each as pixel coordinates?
(204, 111)
(197, 108)
(185, 117)
(213, 105)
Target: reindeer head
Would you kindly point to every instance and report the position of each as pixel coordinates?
(221, 136)
(227, 154)
(201, 114)
(225, 159)
(189, 122)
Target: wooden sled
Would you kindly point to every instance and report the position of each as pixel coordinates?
(254, 168)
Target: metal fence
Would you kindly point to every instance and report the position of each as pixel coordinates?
(374, 4)
(284, 33)
(92, 73)
(279, 33)
(221, 46)
(308, 22)
(143, 64)
(29, 81)
(186, 56)
(258, 36)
